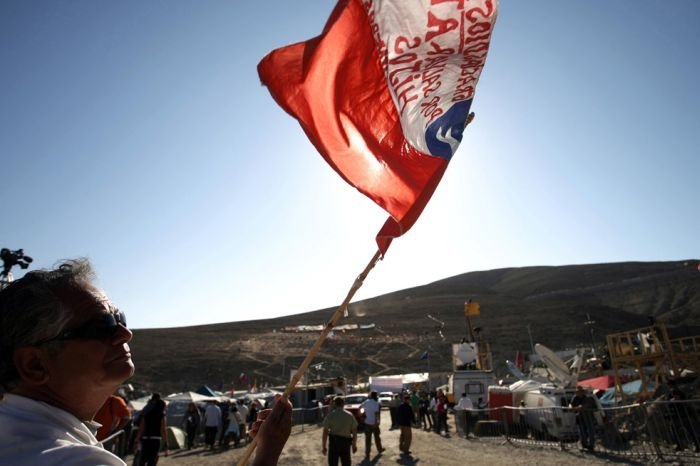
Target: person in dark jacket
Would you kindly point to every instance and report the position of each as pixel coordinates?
(191, 423)
(405, 419)
(152, 431)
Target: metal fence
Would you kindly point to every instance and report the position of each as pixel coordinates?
(659, 429)
(305, 418)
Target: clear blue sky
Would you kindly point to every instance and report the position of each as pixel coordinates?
(137, 134)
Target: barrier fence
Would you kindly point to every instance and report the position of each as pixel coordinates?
(304, 418)
(659, 429)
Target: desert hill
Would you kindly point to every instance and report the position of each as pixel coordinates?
(553, 301)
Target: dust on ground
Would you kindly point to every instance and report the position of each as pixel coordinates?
(427, 449)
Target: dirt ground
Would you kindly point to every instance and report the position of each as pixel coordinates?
(427, 449)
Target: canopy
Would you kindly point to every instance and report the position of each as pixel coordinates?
(191, 396)
(206, 391)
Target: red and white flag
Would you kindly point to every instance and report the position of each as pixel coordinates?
(384, 94)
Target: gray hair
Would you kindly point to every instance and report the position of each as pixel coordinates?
(34, 308)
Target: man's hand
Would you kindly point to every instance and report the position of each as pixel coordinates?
(354, 448)
(324, 450)
(273, 434)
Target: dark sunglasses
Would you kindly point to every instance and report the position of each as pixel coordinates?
(101, 328)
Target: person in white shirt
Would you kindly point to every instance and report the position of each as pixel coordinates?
(212, 423)
(243, 410)
(465, 404)
(372, 410)
(64, 349)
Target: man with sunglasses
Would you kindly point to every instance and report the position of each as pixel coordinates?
(64, 349)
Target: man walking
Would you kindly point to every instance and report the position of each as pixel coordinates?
(340, 427)
(405, 418)
(212, 423)
(372, 417)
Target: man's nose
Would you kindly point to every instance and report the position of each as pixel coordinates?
(122, 335)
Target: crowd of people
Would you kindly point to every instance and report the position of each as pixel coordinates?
(429, 410)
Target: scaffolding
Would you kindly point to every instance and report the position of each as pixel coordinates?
(652, 355)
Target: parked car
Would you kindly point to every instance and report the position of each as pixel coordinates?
(352, 404)
(385, 398)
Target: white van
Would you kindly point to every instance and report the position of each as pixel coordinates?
(549, 415)
(556, 420)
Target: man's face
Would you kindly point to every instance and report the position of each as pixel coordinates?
(92, 365)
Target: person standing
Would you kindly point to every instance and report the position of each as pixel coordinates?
(191, 424)
(406, 418)
(152, 432)
(238, 421)
(441, 410)
(424, 411)
(340, 428)
(113, 416)
(243, 417)
(225, 408)
(432, 408)
(393, 406)
(372, 410)
(415, 404)
(583, 405)
(212, 423)
(464, 408)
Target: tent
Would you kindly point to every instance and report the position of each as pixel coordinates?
(206, 391)
(630, 389)
(191, 396)
(176, 438)
(138, 404)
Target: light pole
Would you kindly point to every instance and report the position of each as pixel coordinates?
(529, 333)
(589, 323)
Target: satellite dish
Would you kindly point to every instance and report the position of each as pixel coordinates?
(557, 368)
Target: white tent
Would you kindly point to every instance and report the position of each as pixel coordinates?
(191, 396)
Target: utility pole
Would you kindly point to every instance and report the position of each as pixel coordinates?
(532, 345)
(589, 323)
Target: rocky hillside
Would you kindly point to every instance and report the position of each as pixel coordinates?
(553, 301)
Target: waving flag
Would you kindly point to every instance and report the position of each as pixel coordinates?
(384, 94)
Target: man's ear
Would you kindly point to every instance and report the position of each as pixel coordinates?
(32, 365)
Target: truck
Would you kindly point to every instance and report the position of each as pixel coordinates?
(471, 373)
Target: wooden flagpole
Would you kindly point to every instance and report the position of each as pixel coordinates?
(317, 346)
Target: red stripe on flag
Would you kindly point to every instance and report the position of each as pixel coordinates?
(334, 85)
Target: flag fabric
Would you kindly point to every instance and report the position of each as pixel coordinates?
(384, 94)
(519, 360)
(471, 309)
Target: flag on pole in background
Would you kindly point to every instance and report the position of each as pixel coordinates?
(519, 360)
(384, 94)
(471, 309)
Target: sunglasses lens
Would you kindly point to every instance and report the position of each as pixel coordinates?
(103, 328)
